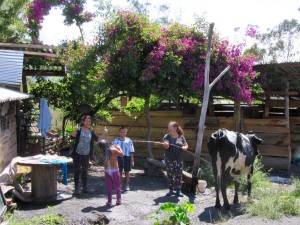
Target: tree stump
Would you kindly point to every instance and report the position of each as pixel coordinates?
(192, 185)
(154, 167)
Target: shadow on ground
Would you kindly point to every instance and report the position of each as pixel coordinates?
(213, 215)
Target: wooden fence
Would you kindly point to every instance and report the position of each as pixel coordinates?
(276, 150)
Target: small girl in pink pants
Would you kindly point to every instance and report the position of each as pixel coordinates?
(112, 174)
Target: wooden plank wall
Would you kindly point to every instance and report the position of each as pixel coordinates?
(275, 150)
(295, 132)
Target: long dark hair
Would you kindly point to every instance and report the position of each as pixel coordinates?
(175, 124)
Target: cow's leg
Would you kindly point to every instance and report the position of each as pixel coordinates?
(249, 182)
(217, 188)
(224, 183)
(236, 190)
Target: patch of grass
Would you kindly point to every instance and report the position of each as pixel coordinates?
(50, 218)
(272, 202)
(207, 173)
(260, 178)
(296, 192)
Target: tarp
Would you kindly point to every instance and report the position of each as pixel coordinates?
(44, 123)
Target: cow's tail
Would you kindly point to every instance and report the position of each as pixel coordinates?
(219, 171)
(218, 161)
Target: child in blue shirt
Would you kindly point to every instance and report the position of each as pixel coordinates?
(127, 161)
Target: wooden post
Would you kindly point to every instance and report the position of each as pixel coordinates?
(148, 118)
(237, 116)
(123, 101)
(287, 104)
(287, 117)
(211, 108)
(207, 88)
(267, 107)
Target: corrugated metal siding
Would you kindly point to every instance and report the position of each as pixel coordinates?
(8, 95)
(11, 67)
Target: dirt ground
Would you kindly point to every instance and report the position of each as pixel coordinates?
(147, 194)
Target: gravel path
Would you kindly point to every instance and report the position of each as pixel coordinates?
(145, 197)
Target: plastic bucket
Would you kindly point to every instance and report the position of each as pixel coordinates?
(201, 186)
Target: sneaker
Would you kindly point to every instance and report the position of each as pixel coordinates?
(127, 188)
(178, 194)
(118, 203)
(108, 204)
(170, 193)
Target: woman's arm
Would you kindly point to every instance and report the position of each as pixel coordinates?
(74, 133)
(165, 142)
(185, 146)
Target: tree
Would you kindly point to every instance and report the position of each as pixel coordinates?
(73, 10)
(279, 44)
(142, 59)
(12, 18)
(124, 44)
(80, 88)
(139, 58)
(207, 88)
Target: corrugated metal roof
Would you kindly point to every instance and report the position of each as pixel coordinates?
(11, 67)
(8, 95)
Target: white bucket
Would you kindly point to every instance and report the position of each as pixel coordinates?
(201, 186)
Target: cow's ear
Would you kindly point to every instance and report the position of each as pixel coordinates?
(257, 140)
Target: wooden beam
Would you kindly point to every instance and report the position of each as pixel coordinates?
(269, 129)
(266, 122)
(15, 45)
(40, 54)
(290, 93)
(271, 150)
(281, 103)
(42, 73)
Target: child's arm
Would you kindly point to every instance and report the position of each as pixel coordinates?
(101, 137)
(116, 150)
(132, 159)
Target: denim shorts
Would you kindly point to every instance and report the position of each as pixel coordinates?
(124, 163)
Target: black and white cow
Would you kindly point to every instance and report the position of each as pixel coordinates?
(232, 154)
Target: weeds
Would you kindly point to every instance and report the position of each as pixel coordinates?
(271, 202)
(179, 213)
(260, 178)
(50, 218)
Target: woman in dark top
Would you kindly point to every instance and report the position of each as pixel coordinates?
(83, 152)
(174, 143)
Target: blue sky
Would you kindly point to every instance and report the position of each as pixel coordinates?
(227, 15)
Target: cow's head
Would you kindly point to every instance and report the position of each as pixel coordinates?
(254, 141)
